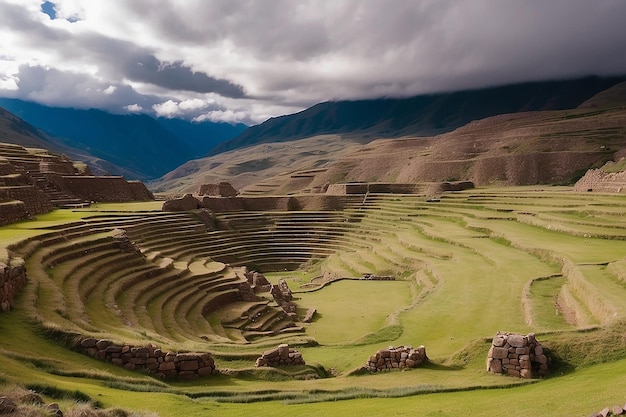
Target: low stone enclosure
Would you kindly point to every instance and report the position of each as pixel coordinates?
(282, 355)
(396, 358)
(149, 359)
(517, 355)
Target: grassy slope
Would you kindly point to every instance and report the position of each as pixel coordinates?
(476, 288)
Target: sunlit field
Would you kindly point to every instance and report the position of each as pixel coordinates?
(528, 259)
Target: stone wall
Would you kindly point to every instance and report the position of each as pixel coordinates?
(150, 359)
(374, 187)
(396, 358)
(35, 201)
(278, 203)
(282, 355)
(603, 182)
(105, 189)
(12, 280)
(12, 211)
(223, 189)
(517, 355)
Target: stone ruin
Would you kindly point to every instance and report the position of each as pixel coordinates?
(12, 280)
(223, 189)
(396, 358)
(616, 410)
(150, 359)
(604, 182)
(283, 297)
(258, 282)
(517, 355)
(282, 355)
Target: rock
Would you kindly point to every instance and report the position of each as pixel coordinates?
(7, 406)
(617, 410)
(517, 341)
(500, 353)
(88, 342)
(605, 412)
(54, 409)
(31, 398)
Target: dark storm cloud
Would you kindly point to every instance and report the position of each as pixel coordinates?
(177, 76)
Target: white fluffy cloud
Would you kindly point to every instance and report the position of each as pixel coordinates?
(245, 61)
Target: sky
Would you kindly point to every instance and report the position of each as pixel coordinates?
(249, 60)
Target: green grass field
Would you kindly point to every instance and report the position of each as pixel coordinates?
(510, 259)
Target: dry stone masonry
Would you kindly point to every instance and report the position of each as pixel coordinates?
(150, 359)
(282, 355)
(517, 355)
(12, 280)
(604, 182)
(396, 358)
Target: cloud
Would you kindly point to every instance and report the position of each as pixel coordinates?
(227, 116)
(134, 108)
(260, 59)
(189, 109)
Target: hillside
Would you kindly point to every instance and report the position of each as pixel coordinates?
(543, 147)
(141, 146)
(424, 115)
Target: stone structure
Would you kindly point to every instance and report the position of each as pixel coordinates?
(186, 203)
(282, 355)
(150, 359)
(517, 355)
(258, 282)
(283, 297)
(105, 189)
(604, 182)
(12, 280)
(223, 189)
(34, 181)
(374, 187)
(396, 358)
(273, 203)
(373, 277)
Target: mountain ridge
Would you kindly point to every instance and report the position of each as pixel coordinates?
(135, 145)
(424, 115)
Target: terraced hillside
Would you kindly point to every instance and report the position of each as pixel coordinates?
(466, 265)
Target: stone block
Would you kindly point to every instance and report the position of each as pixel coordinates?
(188, 365)
(167, 366)
(207, 370)
(517, 341)
(500, 353)
(89, 342)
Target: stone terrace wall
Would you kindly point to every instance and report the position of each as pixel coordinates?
(603, 182)
(104, 189)
(150, 359)
(288, 203)
(12, 211)
(516, 355)
(374, 187)
(35, 200)
(223, 189)
(396, 358)
(282, 355)
(12, 280)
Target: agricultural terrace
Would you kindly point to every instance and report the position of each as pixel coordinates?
(466, 265)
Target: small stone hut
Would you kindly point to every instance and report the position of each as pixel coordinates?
(517, 355)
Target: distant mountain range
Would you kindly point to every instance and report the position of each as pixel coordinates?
(424, 115)
(137, 146)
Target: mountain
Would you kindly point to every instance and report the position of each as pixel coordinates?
(19, 132)
(201, 137)
(532, 147)
(424, 115)
(142, 146)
